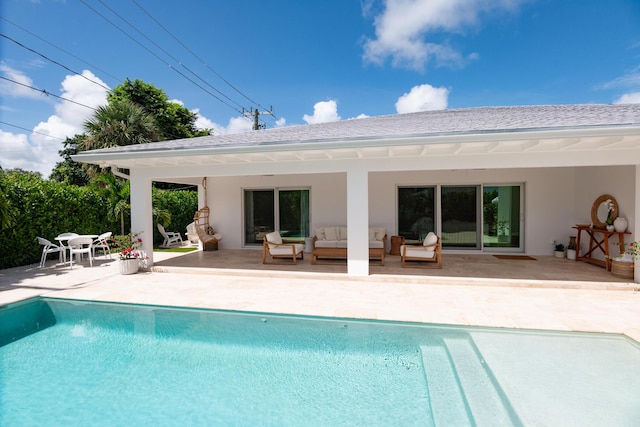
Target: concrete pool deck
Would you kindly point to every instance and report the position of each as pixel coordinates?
(592, 301)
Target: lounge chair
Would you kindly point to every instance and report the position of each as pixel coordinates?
(171, 238)
(274, 248)
(50, 248)
(428, 255)
(192, 233)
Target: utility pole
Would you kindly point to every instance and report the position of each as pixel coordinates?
(256, 116)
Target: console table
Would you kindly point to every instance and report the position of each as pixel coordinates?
(599, 239)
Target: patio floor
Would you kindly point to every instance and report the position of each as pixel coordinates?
(541, 271)
(472, 290)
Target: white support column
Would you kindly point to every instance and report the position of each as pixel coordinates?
(141, 211)
(636, 223)
(358, 222)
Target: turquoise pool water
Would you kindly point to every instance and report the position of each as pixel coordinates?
(65, 362)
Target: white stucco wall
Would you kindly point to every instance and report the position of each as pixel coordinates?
(555, 199)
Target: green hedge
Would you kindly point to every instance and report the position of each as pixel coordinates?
(46, 209)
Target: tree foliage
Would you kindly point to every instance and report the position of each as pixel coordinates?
(174, 120)
(47, 208)
(120, 122)
(68, 171)
(136, 113)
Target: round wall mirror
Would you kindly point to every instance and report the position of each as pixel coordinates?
(599, 211)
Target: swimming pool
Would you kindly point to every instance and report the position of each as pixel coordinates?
(67, 362)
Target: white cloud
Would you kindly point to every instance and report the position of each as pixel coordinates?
(404, 27)
(20, 88)
(629, 98)
(237, 124)
(423, 98)
(629, 79)
(323, 112)
(39, 151)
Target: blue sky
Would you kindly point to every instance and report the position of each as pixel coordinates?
(313, 60)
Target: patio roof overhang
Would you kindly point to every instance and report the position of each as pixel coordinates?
(584, 146)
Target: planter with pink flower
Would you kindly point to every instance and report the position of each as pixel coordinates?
(129, 253)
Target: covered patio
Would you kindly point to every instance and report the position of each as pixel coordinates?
(465, 269)
(551, 161)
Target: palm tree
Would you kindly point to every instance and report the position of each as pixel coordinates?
(117, 191)
(120, 122)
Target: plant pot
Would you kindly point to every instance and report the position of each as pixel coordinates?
(610, 228)
(129, 266)
(558, 254)
(571, 254)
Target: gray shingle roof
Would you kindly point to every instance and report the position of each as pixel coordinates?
(428, 123)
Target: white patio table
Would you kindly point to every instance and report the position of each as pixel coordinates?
(65, 237)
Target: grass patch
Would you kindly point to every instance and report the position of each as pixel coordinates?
(176, 249)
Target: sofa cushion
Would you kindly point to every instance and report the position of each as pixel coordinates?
(320, 234)
(331, 233)
(341, 244)
(376, 244)
(379, 233)
(286, 250)
(326, 243)
(417, 252)
(431, 240)
(274, 237)
(342, 233)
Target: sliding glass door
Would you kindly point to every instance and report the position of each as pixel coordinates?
(266, 210)
(416, 212)
(460, 226)
(467, 217)
(501, 209)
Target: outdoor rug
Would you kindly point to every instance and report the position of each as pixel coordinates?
(524, 257)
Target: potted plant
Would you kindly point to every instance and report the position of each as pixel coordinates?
(559, 250)
(610, 217)
(129, 252)
(571, 250)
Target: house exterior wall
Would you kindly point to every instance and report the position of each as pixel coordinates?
(555, 199)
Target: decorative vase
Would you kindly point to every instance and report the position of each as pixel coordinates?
(129, 266)
(571, 254)
(620, 224)
(610, 227)
(558, 254)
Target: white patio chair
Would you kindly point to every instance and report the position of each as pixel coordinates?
(80, 246)
(171, 238)
(274, 247)
(102, 242)
(50, 248)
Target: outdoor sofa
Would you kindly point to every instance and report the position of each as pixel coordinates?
(331, 242)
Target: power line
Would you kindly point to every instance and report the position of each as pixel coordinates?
(168, 54)
(158, 57)
(61, 49)
(55, 62)
(32, 131)
(45, 92)
(196, 56)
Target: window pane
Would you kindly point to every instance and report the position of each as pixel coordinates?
(259, 215)
(415, 212)
(294, 213)
(501, 210)
(459, 217)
